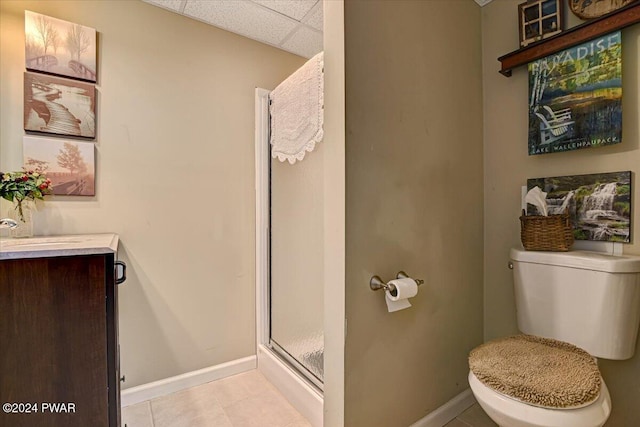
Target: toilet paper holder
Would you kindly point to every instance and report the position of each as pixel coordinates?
(376, 282)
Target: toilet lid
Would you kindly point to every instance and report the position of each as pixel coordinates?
(539, 371)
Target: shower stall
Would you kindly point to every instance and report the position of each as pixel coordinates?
(297, 263)
(290, 270)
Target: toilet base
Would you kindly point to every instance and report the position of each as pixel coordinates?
(508, 412)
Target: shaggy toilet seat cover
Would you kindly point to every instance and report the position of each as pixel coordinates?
(539, 371)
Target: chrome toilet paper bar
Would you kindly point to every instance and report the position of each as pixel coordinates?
(376, 282)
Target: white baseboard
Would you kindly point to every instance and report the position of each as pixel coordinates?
(448, 411)
(149, 391)
(307, 400)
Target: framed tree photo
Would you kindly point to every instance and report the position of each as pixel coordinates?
(69, 164)
(59, 47)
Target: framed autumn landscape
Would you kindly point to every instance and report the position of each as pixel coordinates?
(70, 165)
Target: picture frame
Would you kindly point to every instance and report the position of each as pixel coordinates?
(54, 105)
(58, 47)
(539, 19)
(599, 204)
(70, 164)
(587, 9)
(571, 111)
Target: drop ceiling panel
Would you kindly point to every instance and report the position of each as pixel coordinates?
(296, 9)
(304, 42)
(167, 4)
(245, 18)
(291, 25)
(315, 17)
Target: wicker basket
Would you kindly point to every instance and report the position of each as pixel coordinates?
(546, 233)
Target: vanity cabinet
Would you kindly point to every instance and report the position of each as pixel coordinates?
(59, 336)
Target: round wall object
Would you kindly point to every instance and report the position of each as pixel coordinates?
(589, 9)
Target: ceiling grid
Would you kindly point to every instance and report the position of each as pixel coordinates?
(291, 25)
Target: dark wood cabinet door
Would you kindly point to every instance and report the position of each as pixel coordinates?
(53, 341)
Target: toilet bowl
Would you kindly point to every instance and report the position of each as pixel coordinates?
(585, 300)
(509, 412)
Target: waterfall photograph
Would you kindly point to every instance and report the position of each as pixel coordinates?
(599, 204)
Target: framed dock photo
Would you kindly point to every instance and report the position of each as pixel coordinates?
(59, 106)
(59, 47)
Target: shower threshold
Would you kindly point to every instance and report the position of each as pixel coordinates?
(313, 359)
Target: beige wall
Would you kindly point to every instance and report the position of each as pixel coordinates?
(507, 167)
(175, 174)
(414, 197)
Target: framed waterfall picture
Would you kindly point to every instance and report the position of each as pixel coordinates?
(599, 204)
(575, 97)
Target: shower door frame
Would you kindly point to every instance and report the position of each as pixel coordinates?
(301, 392)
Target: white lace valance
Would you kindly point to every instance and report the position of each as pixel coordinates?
(297, 112)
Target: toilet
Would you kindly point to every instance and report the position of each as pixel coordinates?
(572, 307)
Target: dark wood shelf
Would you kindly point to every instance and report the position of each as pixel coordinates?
(613, 21)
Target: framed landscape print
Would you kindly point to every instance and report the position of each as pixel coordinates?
(70, 165)
(59, 106)
(59, 47)
(575, 97)
(599, 204)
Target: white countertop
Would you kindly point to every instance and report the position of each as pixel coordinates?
(54, 246)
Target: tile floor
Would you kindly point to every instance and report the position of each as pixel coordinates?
(472, 417)
(243, 400)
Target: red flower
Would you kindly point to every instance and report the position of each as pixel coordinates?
(43, 186)
(25, 178)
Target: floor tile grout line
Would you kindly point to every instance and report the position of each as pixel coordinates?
(153, 419)
(260, 391)
(464, 422)
(227, 417)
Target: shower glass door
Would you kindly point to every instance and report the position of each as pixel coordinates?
(297, 264)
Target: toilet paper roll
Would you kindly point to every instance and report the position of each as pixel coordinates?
(405, 288)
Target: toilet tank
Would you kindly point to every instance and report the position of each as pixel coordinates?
(588, 299)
